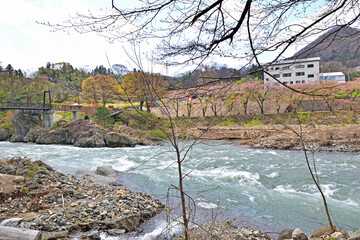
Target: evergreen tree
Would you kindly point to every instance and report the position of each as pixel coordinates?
(103, 116)
(20, 73)
(9, 69)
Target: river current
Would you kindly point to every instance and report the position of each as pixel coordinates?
(266, 189)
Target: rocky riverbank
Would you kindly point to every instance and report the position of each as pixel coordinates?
(80, 133)
(34, 196)
(341, 138)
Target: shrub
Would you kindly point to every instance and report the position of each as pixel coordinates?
(66, 116)
(157, 133)
(228, 123)
(8, 119)
(254, 122)
(304, 117)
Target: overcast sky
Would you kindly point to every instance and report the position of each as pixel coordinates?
(26, 44)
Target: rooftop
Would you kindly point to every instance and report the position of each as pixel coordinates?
(332, 74)
(293, 61)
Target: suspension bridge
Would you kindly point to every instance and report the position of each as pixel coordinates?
(41, 101)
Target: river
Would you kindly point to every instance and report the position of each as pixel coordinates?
(266, 189)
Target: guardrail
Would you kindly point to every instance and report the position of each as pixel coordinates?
(71, 107)
(25, 106)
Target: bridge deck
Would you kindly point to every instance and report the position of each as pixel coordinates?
(24, 108)
(46, 107)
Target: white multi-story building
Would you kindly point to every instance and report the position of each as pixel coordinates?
(293, 71)
(333, 76)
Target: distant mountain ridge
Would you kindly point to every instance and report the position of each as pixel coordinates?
(338, 44)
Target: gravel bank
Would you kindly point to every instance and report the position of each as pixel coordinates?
(40, 198)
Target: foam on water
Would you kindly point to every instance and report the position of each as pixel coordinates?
(285, 189)
(251, 198)
(326, 188)
(222, 174)
(350, 202)
(207, 205)
(273, 175)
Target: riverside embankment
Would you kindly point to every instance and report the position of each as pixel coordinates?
(340, 138)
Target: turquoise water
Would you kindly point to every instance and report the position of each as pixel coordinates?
(264, 188)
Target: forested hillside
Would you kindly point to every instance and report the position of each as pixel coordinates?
(338, 49)
(62, 79)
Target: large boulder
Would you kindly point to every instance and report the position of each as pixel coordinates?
(286, 234)
(7, 183)
(95, 177)
(32, 135)
(23, 121)
(3, 135)
(12, 222)
(92, 137)
(355, 235)
(113, 139)
(298, 234)
(106, 171)
(54, 136)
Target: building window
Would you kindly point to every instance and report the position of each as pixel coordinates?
(297, 82)
(285, 67)
(276, 75)
(266, 79)
(285, 83)
(291, 82)
(271, 69)
(286, 75)
(300, 73)
(310, 65)
(300, 66)
(302, 81)
(277, 68)
(310, 75)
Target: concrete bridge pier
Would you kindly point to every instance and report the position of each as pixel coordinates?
(48, 117)
(75, 115)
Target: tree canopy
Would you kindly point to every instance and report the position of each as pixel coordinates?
(100, 87)
(144, 87)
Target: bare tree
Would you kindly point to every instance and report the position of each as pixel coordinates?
(196, 30)
(312, 170)
(190, 32)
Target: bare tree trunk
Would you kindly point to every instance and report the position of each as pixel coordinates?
(189, 107)
(204, 110)
(177, 108)
(245, 108)
(313, 176)
(182, 195)
(214, 109)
